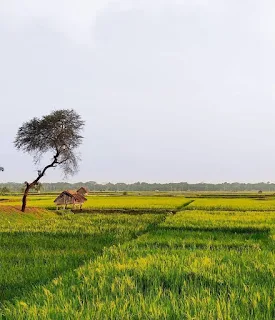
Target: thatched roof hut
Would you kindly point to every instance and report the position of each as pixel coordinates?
(70, 197)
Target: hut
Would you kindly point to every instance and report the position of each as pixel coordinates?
(83, 191)
(70, 197)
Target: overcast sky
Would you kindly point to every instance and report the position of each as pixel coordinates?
(171, 90)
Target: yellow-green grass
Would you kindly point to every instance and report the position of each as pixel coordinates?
(226, 221)
(133, 202)
(159, 284)
(39, 201)
(13, 214)
(233, 204)
(108, 202)
(194, 265)
(36, 247)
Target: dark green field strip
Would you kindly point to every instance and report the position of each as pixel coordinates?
(231, 196)
(200, 239)
(203, 246)
(184, 206)
(228, 209)
(224, 229)
(131, 211)
(232, 204)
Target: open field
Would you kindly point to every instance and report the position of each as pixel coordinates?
(101, 202)
(37, 247)
(260, 204)
(212, 259)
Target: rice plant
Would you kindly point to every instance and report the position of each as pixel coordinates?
(213, 204)
(195, 264)
(105, 202)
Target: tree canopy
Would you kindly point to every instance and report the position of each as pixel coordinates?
(57, 133)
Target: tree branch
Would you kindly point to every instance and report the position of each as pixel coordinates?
(52, 165)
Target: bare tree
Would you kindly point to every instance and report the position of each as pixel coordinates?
(57, 133)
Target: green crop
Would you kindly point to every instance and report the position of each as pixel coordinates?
(211, 204)
(196, 264)
(104, 202)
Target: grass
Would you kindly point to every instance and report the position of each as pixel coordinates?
(226, 221)
(105, 202)
(36, 250)
(213, 204)
(195, 264)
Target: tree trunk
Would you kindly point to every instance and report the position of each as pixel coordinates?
(24, 199)
(35, 182)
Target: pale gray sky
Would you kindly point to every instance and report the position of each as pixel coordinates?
(171, 90)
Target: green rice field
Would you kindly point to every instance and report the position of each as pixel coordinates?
(212, 204)
(212, 258)
(101, 202)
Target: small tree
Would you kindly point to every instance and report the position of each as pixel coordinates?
(57, 133)
(5, 191)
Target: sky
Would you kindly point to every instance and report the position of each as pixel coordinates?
(170, 90)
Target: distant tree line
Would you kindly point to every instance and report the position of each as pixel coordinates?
(143, 186)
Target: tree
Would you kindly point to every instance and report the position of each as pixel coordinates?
(57, 133)
(4, 191)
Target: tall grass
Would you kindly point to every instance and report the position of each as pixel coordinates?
(194, 265)
(233, 204)
(37, 250)
(108, 202)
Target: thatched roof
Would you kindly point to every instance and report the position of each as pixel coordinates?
(84, 188)
(72, 194)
